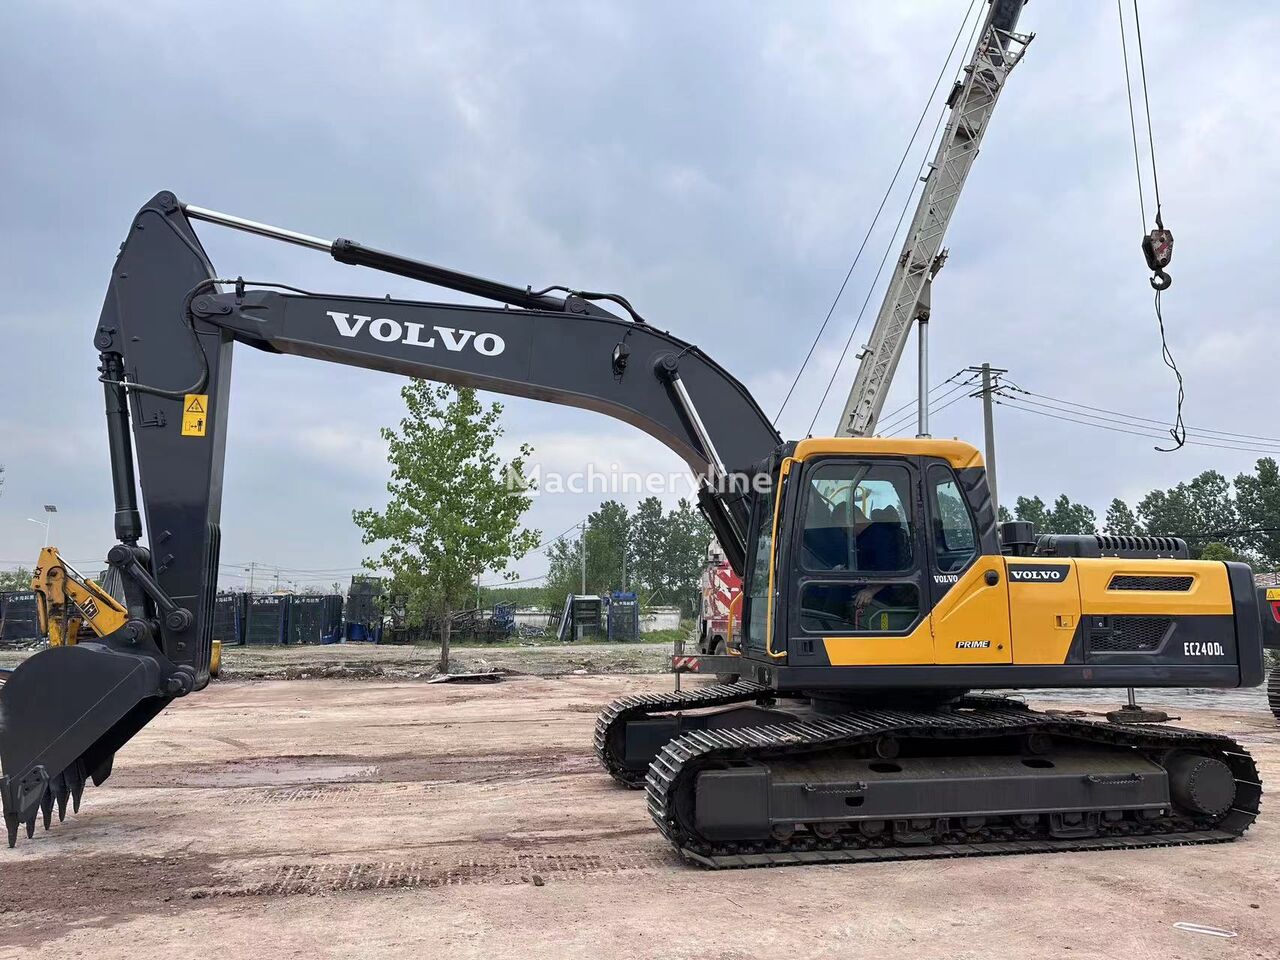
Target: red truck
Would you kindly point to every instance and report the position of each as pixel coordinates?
(721, 598)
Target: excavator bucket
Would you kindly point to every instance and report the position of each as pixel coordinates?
(63, 715)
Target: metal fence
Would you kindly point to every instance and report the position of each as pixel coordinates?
(18, 619)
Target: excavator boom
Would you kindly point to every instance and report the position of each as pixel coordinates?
(165, 340)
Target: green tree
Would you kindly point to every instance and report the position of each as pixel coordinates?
(1121, 520)
(669, 550)
(454, 507)
(606, 535)
(520, 596)
(648, 536)
(19, 579)
(1258, 509)
(1003, 515)
(1068, 517)
(1200, 510)
(1034, 511)
(564, 570)
(1063, 517)
(608, 530)
(687, 543)
(1217, 551)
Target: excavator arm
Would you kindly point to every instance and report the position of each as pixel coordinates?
(165, 339)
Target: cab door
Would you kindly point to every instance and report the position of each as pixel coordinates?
(970, 591)
(858, 595)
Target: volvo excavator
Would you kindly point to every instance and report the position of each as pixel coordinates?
(877, 593)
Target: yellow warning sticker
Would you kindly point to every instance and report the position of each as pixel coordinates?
(1273, 593)
(195, 414)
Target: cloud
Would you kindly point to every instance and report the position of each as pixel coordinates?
(716, 163)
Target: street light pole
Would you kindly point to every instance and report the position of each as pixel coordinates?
(50, 509)
(43, 523)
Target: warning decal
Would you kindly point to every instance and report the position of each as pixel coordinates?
(195, 418)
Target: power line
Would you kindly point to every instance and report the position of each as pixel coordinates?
(934, 411)
(880, 209)
(893, 238)
(1013, 404)
(893, 242)
(1130, 416)
(514, 583)
(557, 539)
(911, 403)
(893, 424)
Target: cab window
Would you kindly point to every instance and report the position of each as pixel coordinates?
(857, 519)
(758, 595)
(955, 539)
(858, 606)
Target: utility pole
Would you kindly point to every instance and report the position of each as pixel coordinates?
(583, 549)
(922, 332)
(252, 564)
(277, 590)
(990, 383)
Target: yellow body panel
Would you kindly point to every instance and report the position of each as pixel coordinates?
(959, 454)
(867, 650)
(1210, 591)
(1043, 615)
(1033, 622)
(971, 622)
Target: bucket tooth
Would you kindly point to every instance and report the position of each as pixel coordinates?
(76, 778)
(11, 824)
(64, 713)
(31, 825)
(61, 792)
(46, 807)
(103, 770)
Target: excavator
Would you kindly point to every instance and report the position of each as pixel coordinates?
(878, 595)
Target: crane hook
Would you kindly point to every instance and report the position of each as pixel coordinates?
(1157, 247)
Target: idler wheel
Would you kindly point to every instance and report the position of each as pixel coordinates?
(1202, 785)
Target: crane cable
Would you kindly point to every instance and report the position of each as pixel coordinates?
(879, 210)
(1157, 246)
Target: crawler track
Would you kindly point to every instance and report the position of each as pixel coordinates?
(612, 719)
(672, 778)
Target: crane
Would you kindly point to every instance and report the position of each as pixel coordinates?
(972, 102)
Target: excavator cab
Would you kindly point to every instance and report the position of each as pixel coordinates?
(874, 567)
(858, 542)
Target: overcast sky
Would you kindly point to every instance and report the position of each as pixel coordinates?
(717, 163)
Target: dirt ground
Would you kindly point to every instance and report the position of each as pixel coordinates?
(360, 661)
(355, 819)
